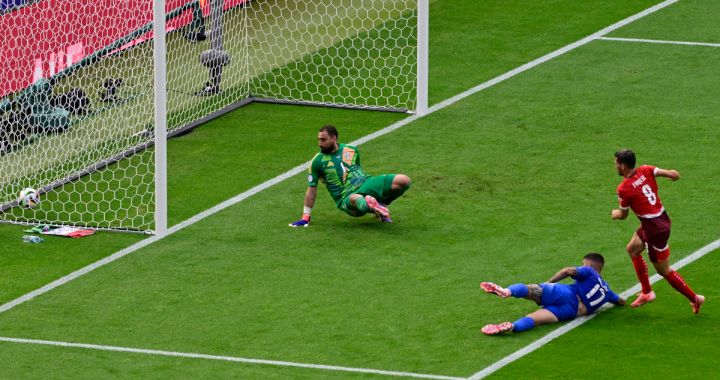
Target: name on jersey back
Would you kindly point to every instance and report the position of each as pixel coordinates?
(639, 181)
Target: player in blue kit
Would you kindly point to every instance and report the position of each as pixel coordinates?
(560, 302)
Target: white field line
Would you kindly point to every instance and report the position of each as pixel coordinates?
(299, 169)
(659, 41)
(487, 371)
(579, 321)
(552, 55)
(518, 354)
(224, 358)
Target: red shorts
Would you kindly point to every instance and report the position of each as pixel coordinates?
(655, 233)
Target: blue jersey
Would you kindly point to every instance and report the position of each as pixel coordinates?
(592, 289)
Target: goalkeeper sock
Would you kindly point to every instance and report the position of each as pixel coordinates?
(523, 324)
(518, 290)
(361, 205)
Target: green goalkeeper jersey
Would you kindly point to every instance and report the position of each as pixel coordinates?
(340, 171)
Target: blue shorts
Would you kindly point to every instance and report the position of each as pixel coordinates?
(561, 300)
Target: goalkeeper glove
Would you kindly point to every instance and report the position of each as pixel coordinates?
(304, 222)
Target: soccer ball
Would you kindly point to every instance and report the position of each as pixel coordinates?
(29, 198)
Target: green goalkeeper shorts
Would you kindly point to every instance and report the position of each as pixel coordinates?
(375, 186)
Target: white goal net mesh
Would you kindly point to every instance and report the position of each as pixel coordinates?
(350, 53)
(76, 96)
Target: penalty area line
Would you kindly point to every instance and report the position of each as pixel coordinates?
(301, 168)
(234, 359)
(579, 321)
(659, 41)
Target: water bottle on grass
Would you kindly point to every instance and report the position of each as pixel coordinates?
(32, 239)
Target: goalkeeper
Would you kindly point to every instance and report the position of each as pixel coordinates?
(354, 192)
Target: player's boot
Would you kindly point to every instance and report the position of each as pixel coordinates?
(497, 329)
(385, 219)
(490, 287)
(644, 298)
(699, 301)
(378, 208)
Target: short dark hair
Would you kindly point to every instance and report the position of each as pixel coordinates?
(596, 257)
(626, 157)
(330, 129)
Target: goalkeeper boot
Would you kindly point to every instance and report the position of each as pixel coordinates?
(377, 208)
(497, 329)
(490, 287)
(699, 301)
(303, 222)
(384, 219)
(643, 298)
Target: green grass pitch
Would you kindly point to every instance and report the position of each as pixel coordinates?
(509, 185)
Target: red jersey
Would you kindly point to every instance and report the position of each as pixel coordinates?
(640, 193)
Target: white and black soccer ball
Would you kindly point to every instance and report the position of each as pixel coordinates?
(29, 198)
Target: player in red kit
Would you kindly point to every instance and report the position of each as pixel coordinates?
(638, 191)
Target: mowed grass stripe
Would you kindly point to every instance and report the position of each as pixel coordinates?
(258, 131)
(210, 236)
(479, 375)
(694, 20)
(190, 355)
(629, 338)
(302, 167)
(565, 328)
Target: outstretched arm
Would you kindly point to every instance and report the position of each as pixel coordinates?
(310, 196)
(612, 297)
(563, 273)
(672, 174)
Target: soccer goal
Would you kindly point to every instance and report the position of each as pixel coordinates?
(92, 89)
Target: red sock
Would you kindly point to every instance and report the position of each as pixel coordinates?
(677, 282)
(641, 270)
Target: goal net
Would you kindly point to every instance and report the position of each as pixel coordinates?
(77, 97)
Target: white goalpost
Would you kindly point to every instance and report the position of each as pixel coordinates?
(160, 100)
(423, 51)
(94, 89)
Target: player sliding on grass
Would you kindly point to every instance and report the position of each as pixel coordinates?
(354, 192)
(560, 302)
(639, 191)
